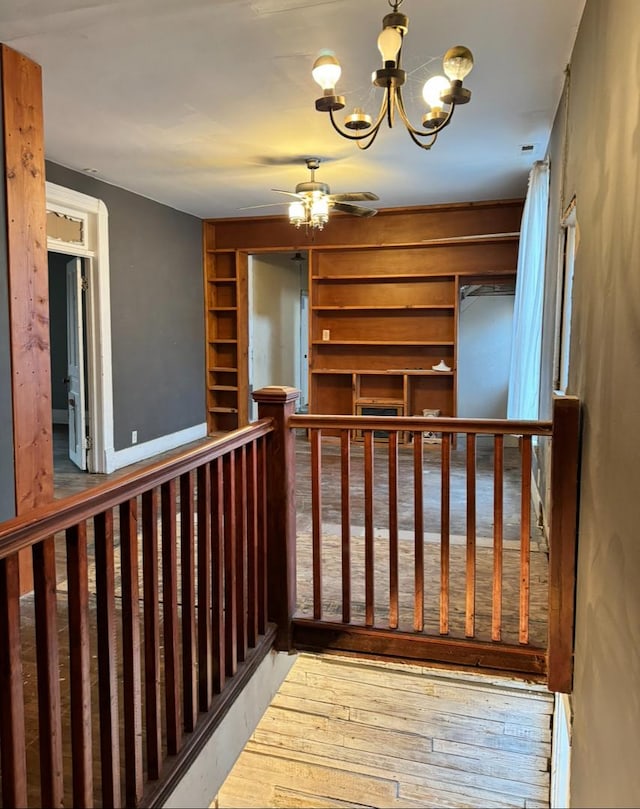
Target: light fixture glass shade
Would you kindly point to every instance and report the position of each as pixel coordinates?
(457, 62)
(432, 90)
(297, 214)
(326, 71)
(319, 211)
(389, 43)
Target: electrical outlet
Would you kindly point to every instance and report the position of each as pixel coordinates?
(134, 436)
(326, 334)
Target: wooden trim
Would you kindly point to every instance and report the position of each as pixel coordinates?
(410, 423)
(312, 635)
(563, 540)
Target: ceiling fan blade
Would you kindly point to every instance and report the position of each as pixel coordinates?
(353, 196)
(354, 210)
(265, 205)
(289, 193)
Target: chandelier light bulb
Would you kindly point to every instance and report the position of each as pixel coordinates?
(433, 89)
(389, 44)
(457, 62)
(326, 71)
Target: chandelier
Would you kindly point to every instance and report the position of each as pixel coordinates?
(441, 93)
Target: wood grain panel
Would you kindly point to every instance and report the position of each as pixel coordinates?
(25, 222)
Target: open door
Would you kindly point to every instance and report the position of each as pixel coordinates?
(75, 366)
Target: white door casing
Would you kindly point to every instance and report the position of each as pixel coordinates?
(94, 247)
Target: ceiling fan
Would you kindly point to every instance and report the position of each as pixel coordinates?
(313, 200)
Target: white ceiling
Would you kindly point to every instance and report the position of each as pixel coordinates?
(205, 105)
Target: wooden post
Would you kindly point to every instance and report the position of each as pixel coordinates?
(563, 541)
(278, 403)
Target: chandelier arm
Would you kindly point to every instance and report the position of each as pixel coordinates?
(373, 130)
(417, 132)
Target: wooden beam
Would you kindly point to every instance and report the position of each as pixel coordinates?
(28, 285)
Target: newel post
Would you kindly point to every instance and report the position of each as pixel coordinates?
(565, 446)
(278, 403)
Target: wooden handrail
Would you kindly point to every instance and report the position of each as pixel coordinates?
(39, 523)
(409, 423)
(374, 624)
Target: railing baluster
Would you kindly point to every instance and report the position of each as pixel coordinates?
(107, 657)
(394, 597)
(470, 600)
(525, 539)
(345, 506)
(369, 562)
(262, 536)
(230, 566)
(418, 512)
(204, 588)
(217, 575)
(188, 598)
(445, 531)
(79, 665)
(50, 723)
(316, 521)
(151, 632)
(498, 517)
(241, 553)
(173, 715)
(252, 545)
(12, 734)
(131, 652)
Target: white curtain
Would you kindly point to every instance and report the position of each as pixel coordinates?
(524, 370)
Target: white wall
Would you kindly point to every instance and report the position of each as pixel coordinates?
(484, 351)
(274, 299)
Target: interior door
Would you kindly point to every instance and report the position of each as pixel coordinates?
(75, 365)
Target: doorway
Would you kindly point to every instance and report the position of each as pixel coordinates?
(278, 323)
(77, 228)
(69, 371)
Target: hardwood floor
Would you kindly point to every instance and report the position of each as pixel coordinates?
(352, 733)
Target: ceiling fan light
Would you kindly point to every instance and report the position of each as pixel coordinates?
(457, 62)
(326, 71)
(319, 211)
(297, 214)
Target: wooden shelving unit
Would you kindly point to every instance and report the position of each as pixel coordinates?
(226, 346)
(382, 317)
(383, 303)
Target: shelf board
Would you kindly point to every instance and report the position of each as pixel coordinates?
(222, 409)
(222, 369)
(382, 342)
(378, 308)
(222, 308)
(222, 340)
(223, 387)
(385, 277)
(385, 372)
(220, 280)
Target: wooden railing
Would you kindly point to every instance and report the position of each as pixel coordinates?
(468, 597)
(157, 594)
(149, 610)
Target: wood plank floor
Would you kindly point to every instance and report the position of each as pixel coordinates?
(350, 733)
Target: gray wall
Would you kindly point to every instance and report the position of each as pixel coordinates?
(603, 171)
(157, 321)
(7, 469)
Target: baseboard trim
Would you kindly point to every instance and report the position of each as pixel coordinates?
(140, 452)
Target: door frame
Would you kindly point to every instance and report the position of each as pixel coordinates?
(94, 247)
